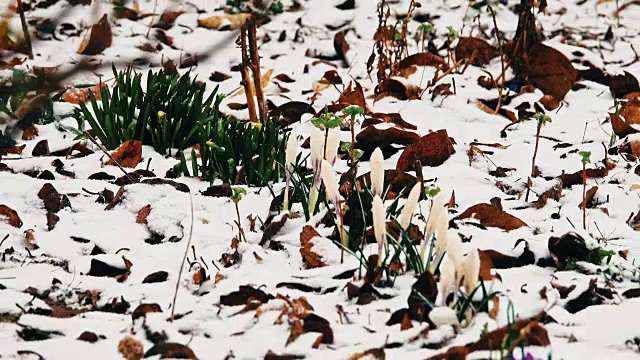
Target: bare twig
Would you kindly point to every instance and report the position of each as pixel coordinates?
(246, 79)
(25, 30)
(255, 69)
(495, 27)
(184, 259)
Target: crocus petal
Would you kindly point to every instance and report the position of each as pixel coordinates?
(292, 152)
(333, 143)
(454, 249)
(377, 172)
(379, 223)
(317, 145)
(447, 277)
(330, 183)
(471, 271)
(410, 206)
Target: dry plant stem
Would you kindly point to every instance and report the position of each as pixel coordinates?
(246, 79)
(106, 152)
(500, 89)
(352, 153)
(25, 30)
(255, 67)
(153, 17)
(584, 195)
(240, 231)
(533, 162)
(184, 259)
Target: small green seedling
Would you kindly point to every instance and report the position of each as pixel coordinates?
(354, 111)
(238, 192)
(585, 157)
(542, 118)
(452, 33)
(327, 120)
(432, 190)
(425, 28)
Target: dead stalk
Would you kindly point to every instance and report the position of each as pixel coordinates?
(184, 259)
(25, 30)
(255, 69)
(584, 195)
(246, 79)
(500, 88)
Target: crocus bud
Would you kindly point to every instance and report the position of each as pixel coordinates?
(454, 249)
(330, 183)
(410, 206)
(292, 152)
(377, 172)
(447, 277)
(379, 224)
(471, 271)
(317, 144)
(333, 143)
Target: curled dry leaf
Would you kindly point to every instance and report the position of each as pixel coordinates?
(53, 200)
(398, 88)
(422, 59)
(100, 38)
(167, 19)
(30, 133)
(101, 269)
(476, 50)
(341, 46)
(10, 216)
(350, 96)
(243, 295)
(218, 76)
(310, 258)
(291, 112)
(491, 216)
(623, 84)
(432, 149)
(81, 95)
(143, 309)
(127, 155)
(52, 220)
(169, 350)
(141, 217)
(156, 277)
(224, 22)
(393, 118)
(570, 246)
(549, 70)
(272, 229)
(370, 138)
(631, 111)
(549, 102)
(568, 180)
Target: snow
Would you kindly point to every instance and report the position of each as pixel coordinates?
(214, 331)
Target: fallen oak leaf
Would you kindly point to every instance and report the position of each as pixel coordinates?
(620, 127)
(100, 38)
(243, 295)
(52, 199)
(169, 350)
(141, 217)
(11, 216)
(310, 258)
(432, 149)
(491, 216)
(224, 22)
(127, 155)
(143, 309)
(476, 50)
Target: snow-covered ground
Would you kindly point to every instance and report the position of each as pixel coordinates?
(40, 287)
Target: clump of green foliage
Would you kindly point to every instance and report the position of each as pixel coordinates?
(165, 113)
(238, 153)
(237, 6)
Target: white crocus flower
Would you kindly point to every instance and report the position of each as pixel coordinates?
(377, 172)
(447, 278)
(437, 216)
(317, 146)
(333, 195)
(471, 271)
(333, 143)
(379, 225)
(291, 153)
(410, 206)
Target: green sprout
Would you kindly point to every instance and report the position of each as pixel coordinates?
(432, 190)
(585, 156)
(425, 28)
(238, 192)
(276, 7)
(353, 110)
(542, 118)
(327, 120)
(452, 33)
